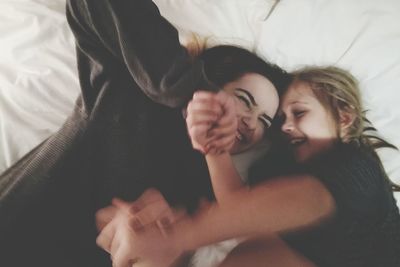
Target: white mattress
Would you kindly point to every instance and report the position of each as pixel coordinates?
(39, 84)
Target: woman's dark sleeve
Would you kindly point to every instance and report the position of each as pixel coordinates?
(131, 35)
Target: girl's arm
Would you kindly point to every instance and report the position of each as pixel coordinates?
(212, 125)
(224, 177)
(280, 205)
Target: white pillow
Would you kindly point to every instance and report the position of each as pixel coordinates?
(223, 21)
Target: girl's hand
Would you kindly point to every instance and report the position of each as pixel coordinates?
(211, 122)
(223, 134)
(203, 112)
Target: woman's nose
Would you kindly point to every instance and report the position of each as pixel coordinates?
(250, 122)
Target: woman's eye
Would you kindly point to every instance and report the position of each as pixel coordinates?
(266, 124)
(244, 100)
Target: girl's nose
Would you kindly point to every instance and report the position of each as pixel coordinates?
(287, 126)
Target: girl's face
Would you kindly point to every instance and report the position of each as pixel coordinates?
(256, 102)
(309, 128)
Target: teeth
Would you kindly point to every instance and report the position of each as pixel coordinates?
(296, 141)
(239, 136)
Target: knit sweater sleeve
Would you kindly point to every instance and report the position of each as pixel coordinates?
(133, 36)
(355, 180)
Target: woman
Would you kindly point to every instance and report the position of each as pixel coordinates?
(248, 98)
(135, 80)
(337, 209)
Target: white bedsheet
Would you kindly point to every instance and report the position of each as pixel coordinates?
(38, 78)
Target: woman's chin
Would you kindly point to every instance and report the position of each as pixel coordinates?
(238, 148)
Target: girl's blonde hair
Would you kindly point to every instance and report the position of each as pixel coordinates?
(338, 91)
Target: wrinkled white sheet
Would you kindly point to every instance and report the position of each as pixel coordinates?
(38, 78)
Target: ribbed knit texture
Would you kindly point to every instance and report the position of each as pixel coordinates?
(125, 135)
(365, 230)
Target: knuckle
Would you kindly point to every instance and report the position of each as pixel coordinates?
(189, 120)
(189, 107)
(99, 214)
(195, 131)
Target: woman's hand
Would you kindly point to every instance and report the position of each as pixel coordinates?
(148, 247)
(211, 122)
(104, 216)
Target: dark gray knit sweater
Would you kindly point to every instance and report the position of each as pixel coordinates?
(126, 134)
(365, 230)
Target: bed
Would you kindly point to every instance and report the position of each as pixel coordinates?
(39, 83)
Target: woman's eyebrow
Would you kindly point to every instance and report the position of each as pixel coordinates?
(250, 96)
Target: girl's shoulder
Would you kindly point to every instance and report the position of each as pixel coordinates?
(349, 152)
(352, 165)
(350, 160)
(356, 179)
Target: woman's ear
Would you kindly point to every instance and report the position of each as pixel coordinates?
(346, 119)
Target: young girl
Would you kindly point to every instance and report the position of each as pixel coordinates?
(336, 210)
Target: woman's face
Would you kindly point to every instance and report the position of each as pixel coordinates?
(308, 126)
(256, 102)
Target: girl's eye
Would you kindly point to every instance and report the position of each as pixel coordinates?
(299, 113)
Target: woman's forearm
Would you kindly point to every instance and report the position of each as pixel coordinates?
(272, 207)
